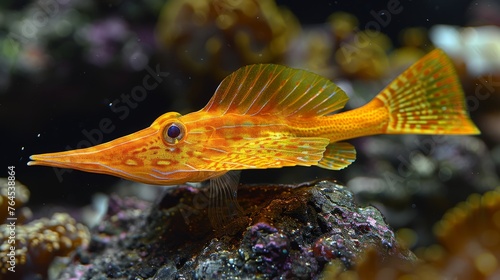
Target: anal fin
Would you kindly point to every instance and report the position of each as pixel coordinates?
(338, 156)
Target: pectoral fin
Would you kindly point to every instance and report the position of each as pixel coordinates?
(223, 203)
(338, 156)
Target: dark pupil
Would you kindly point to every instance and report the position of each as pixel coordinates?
(173, 131)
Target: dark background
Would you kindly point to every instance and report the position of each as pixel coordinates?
(46, 111)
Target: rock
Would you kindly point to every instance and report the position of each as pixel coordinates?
(286, 231)
(471, 254)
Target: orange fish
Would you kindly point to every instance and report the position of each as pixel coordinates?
(270, 116)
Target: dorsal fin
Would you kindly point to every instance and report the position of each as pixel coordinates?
(276, 90)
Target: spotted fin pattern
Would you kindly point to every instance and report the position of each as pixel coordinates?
(427, 99)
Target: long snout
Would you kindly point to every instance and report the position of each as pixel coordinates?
(120, 157)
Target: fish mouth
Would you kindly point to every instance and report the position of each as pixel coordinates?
(60, 159)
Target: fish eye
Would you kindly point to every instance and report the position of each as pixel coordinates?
(173, 133)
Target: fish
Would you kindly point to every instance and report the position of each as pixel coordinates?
(271, 116)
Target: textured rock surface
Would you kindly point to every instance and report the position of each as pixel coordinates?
(287, 231)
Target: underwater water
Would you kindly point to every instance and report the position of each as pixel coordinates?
(75, 74)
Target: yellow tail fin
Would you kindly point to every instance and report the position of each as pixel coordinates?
(427, 99)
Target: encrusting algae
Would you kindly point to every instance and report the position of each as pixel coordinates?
(271, 116)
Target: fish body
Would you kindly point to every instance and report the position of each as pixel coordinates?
(271, 116)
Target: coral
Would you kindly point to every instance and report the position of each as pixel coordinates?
(343, 25)
(477, 47)
(364, 55)
(339, 48)
(213, 38)
(22, 195)
(38, 243)
(415, 45)
(371, 265)
(314, 47)
(413, 180)
(470, 236)
(287, 232)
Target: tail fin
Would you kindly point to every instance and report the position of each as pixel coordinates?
(427, 99)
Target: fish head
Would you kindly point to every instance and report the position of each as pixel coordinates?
(158, 155)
